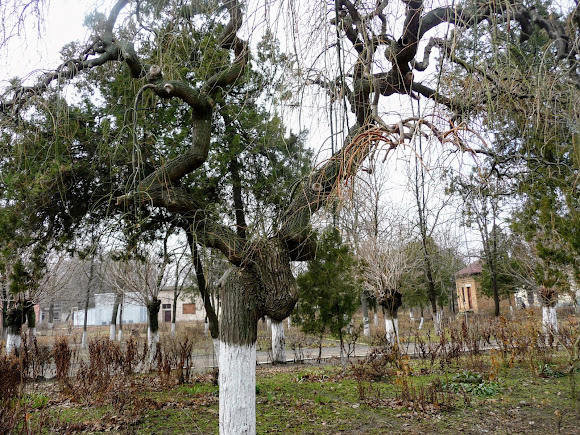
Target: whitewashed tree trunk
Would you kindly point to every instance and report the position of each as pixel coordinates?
(112, 331)
(237, 381)
(268, 322)
(216, 349)
(13, 342)
(153, 340)
(366, 327)
(278, 343)
(392, 329)
(84, 339)
(376, 319)
(545, 319)
(554, 319)
(438, 318)
(549, 320)
(289, 322)
(247, 294)
(120, 335)
(421, 322)
(206, 328)
(365, 313)
(31, 334)
(172, 329)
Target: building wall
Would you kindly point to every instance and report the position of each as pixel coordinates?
(188, 308)
(479, 302)
(133, 312)
(468, 289)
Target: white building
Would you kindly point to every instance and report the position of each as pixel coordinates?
(133, 311)
(188, 309)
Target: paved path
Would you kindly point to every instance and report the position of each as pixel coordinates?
(203, 362)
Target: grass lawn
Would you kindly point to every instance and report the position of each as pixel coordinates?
(409, 397)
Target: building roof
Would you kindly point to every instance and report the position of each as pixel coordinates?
(474, 268)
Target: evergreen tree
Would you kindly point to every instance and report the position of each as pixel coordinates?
(329, 291)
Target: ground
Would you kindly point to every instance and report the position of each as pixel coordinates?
(494, 376)
(319, 399)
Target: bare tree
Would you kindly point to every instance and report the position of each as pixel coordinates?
(141, 280)
(387, 263)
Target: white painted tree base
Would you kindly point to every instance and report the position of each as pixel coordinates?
(438, 319)
(120, 335)
(206, 329)
(278, 343)
(216, 349)
(376, 319)
(237, 381)
(13, 343)
(31, 334)
(112, 331)
(84, 339)
(153, 340)
(173, 329)
(392, 329)
(421, 323)
(289, 323)
(366, 327)
(549, 320)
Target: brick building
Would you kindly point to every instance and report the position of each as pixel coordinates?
(469, 296)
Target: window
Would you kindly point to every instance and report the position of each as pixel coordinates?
(188, 308)
(166, 306)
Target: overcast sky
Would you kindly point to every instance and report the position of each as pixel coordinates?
(38, 48)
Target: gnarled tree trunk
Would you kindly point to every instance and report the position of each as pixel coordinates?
(264, 285)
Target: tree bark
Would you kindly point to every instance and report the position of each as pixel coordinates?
(31, 321)
(120, 333)
(4, 310)
(153, 307)
(202, 286)
(51, 315)
(113, 327)
(176, 293)
(495, 287)
(87, 297)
